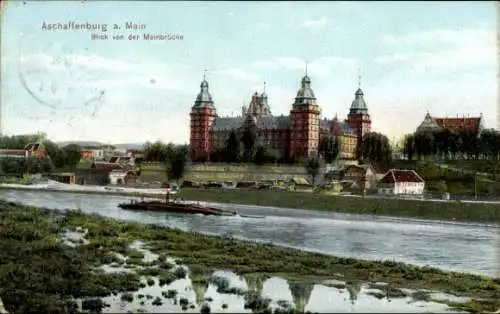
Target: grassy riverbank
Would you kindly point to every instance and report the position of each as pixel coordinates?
(461, 211)
(38, 273)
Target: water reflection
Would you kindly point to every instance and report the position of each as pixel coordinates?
(226, 291)
(456, 246)
(357, 298)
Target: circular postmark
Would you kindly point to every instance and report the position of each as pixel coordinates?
(57, 78)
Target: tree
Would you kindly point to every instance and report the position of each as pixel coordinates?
(232, 148)
(312, 167)
(409, 146)
(329, 147)
(177, 161)
(72, 153)
(376, 149)
(55, 153)
(248, 140)
(260, 157)
(424, 144)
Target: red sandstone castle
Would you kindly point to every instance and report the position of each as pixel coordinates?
(297, 135)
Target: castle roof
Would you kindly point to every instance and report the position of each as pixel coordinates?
(204, 98)
(358, 105)
(305, 95)
(227, 123)
(264, 122)
(342, 127)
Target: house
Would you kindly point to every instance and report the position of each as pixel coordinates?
(106, 165)
(64, 177)
(401, 182)
(30, 150)
(13, 153)
(87, 154)
(123, 160)
(455, 124)
(95, 172)
(300, 185)
(364, 176)
(120, 177)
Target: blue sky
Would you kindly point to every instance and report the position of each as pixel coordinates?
(412, 56)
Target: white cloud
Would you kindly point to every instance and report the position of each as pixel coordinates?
(238, 73)
(99, 72)
(443, 49)
(136, 81)
(445, 36)
(264, 25)
(320, 23)
(322, 66)
(92, 62)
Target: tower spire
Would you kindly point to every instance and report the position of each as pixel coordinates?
(359, 78)
(205, 74)
(264, 86)
(306, 66)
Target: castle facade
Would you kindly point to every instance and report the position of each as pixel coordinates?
(294, 136)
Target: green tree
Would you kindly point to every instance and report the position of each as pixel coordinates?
(312, 168)
(329, 148)
(232, 148)
(409, 146)
(260, 157)
(177, 161)
(248, 139)
(55, 153)
(72, 153)
(376, 150)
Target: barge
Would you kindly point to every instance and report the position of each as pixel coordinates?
(176, 207)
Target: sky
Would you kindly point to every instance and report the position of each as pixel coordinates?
(412, 57)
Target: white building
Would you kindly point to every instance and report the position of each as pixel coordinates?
(119, 177)
(401, 182)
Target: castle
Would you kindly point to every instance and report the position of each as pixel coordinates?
(294, 136)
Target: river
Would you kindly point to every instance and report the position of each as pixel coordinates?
(470, 247)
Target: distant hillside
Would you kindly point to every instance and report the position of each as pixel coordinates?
(129, 145)
(81, 143)
(98, 144)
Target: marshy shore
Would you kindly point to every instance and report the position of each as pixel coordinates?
(59, 262)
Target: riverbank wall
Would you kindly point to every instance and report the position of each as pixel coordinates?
(221, 172)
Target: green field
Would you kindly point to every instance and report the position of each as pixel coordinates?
(348, 204)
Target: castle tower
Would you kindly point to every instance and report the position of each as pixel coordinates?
(305, 115)
(265, 108)
(202, 115)
(358, 118)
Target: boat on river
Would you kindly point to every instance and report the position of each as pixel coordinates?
(176, 207)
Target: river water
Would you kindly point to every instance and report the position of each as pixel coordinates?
(469, 247)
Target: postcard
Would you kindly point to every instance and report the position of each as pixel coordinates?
(253, 156)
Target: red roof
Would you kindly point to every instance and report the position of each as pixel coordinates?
(398, 175)
(133, 151)
(106, 165)
(13, 152)
(459, 124)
